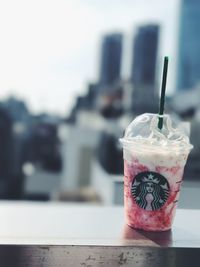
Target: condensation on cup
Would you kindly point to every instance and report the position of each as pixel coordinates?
(154, 162)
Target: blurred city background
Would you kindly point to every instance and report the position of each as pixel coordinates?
(73, 75)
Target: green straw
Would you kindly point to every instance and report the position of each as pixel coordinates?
(162, 97)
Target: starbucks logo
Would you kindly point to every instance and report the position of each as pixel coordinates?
(150, 190)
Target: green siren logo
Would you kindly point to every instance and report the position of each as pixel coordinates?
(150, 190)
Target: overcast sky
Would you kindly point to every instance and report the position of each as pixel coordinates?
(49, 49)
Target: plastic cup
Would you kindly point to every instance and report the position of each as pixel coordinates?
(154, 162)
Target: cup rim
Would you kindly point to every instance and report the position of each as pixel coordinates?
(129, 144)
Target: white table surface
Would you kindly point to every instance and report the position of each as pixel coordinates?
(74, 224)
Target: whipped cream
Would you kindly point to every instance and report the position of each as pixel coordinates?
(154, 147)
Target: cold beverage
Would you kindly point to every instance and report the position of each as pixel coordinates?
(154, 163)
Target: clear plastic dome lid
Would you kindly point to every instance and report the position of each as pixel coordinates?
(144, 130)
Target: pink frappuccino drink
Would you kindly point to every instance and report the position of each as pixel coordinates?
(154, 163)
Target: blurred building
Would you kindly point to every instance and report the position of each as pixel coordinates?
(111, 58)
(183, 102)
(11, 157)
(43, 147)
(87, 101)
(188, 69)
(143, 72)
(104, 96)
(17, 109)
(110, 104)
(84, 102)
(145, 45)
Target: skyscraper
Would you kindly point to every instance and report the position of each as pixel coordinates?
(188, 68)
(111, 58)
(145, 47)
(143, 72)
